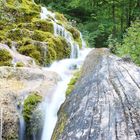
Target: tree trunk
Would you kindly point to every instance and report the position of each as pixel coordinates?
(114, 19)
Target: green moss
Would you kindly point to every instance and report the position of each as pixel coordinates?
(2, 38)
(79, 41)
(41, 36)
(43, 25)
(50, 56)
(26, 41)
(21, 10)
(60, 17)
(5, 58)
(75, 33)
(72, 82)
(30, 104)
(17, 34)
(60, 46)
(32, 51)
(31, 113)
(20, 64)
(59, 126)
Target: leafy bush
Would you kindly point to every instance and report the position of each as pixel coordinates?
(131, 43)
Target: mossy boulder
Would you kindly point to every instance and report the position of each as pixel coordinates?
(43, 25)
(32, 115)
(32, 51)
(5, 58)
(60, 17)
(75, 33)
(30, 104)
(60, 46)
(17, 34)
(20, 10)
(41, 36)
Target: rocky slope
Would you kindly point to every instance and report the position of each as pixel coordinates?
(105, 103)
(15, 86)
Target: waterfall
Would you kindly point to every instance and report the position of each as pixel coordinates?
(1, 122)
(61, 31)
(22, 126)
(63, 68)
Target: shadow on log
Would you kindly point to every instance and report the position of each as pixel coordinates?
(105, 104)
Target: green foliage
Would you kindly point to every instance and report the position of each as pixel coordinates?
(72, 82)
(5, 58)
(131, 43)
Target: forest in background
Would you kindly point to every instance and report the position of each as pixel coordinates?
(105, 23)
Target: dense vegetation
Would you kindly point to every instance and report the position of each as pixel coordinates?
(104, 22)
(131, 43)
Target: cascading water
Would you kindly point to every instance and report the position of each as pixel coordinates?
(61, 31)
(21, 125)
(64, 69)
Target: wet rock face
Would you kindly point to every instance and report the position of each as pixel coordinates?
(15, 85)
(105, 104)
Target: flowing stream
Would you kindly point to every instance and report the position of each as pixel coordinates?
(65, 69)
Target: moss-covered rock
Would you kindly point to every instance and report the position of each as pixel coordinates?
(60, 17)
(21, 23)
(21, 10)
(32, 51)
(30, 104)
(60, 124)
(75, 33)
(60, 46)
(72, 82)
(17, 34)
(5, 58)
(41, 36)
(43, 25)
(32, 115)
(20, 64)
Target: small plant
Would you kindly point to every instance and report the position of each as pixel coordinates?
(72, 82)
(5, 58)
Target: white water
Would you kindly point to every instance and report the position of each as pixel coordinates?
(65, 69)
(54, 100)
